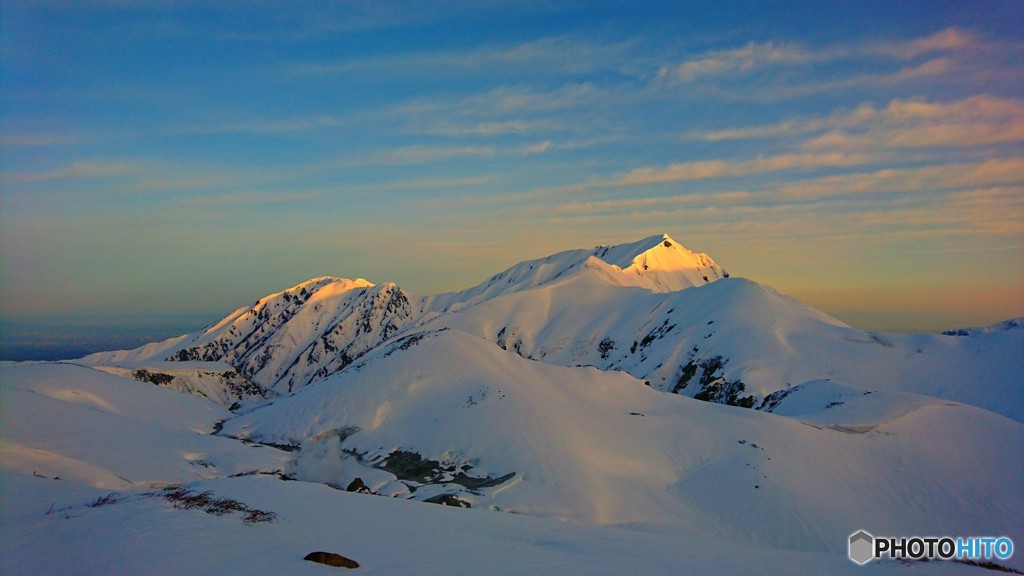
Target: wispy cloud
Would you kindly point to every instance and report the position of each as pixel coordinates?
(250, 199)
(428, 184)
(961, 191)
(514, 110)
(152, 178)
(493, 128)
(755, 56)
(747, 58)
(979, 120)
(952, 176)
(976, 121)
(424, 154)
(296, 124)
(936, 67)
(702, 170)
(81, 170)
(951, 221)
(942, 41)
(787, 128)
(560, 55)
(250, 126)
(538, 148)
(650, 204)
(514, 99)
(995, 211)
(30, 140)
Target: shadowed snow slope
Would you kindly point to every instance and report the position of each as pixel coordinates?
(92, 428)
(738, 335)
(603, 447)
(213, 380)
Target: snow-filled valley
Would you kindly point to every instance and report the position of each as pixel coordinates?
(624, 409)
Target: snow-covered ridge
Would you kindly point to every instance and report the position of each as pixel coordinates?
(1006, 325)
(290, 338)
(651, 308)
(316, 328)
(656, 263)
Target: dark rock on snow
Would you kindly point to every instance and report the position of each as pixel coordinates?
(331, 559)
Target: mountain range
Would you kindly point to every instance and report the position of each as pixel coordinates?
(636, 387)
(652, 308)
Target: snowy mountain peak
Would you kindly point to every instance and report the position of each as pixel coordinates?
(334, 283)
(622, 255)
(290, 338)
(665, 265)
(314, 288)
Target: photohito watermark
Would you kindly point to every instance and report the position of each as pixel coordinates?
(864, 547)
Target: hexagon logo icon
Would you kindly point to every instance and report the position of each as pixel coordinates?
(861, 548)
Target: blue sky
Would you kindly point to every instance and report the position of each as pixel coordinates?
(183, 157)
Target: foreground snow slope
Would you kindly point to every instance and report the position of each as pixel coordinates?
(69, 433)
(437, 399)
(602, 447)
(145, 536)
(96, 429)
